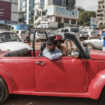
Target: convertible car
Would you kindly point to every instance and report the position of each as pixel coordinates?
(29, 73)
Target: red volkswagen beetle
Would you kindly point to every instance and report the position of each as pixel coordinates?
(79, 74)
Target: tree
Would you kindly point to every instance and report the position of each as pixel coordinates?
(85, 17)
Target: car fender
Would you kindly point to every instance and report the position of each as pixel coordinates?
(8, 79)
(96, 86)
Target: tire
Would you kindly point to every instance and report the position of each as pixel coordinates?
(90, 45)
(102, 98)
(3, 91)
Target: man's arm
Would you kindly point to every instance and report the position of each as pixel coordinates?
(50, 56)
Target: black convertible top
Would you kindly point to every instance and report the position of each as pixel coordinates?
(74, 38)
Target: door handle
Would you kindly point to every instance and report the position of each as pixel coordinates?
(40, 63)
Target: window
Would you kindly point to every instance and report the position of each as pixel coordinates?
(71, 48)
(7, 37)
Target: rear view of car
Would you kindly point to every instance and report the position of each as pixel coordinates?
(22, 34)
(40, 35)
(83, 34)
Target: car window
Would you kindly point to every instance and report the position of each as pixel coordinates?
(66, 30)
(7, 37)
(71, 48)
(74, 30)
(23, 32)
(62, 30)
(40, 32)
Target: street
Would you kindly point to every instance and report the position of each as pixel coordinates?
(38, 100)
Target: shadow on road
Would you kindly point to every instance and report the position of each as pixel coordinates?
(36, 100)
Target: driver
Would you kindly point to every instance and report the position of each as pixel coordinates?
(51, 52)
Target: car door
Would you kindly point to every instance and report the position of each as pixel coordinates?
(99, 43)
(67, 74)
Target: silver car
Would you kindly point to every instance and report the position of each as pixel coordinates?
(94, 43)
(40, 35)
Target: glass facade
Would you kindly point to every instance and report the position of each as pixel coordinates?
(69, 4)
(42, 3)
(58, 2)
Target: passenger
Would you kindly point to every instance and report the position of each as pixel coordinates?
(58, 39)
(51, 52)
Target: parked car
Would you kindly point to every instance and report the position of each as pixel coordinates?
(11, 42)
(40, 35)
(74, 30)
(93, 34)
(31, 74)
(94, 43)
(83, 34)
(22, 34)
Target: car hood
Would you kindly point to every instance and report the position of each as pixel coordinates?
(97, 55)
(93, 40)
(13, 46)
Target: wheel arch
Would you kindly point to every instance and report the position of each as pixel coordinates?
(97, 85)
(90, 43)
(8, 79)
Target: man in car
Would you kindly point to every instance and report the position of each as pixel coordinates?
(58, 39)
(51, 52)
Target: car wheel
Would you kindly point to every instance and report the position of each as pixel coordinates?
(3, 91)
(90, 46)
(102, 98)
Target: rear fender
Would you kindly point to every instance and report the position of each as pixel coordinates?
(97, 85)
(7, 77)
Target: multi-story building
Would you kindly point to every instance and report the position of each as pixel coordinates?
(101, 12)
(9, 11)
(55, 13)
(27, 11)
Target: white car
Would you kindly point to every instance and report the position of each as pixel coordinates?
(94, 43)
(22, 34)
(40, 35)
(11, 42)
(83, 34)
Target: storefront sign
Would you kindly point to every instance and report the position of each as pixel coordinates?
(5, 10)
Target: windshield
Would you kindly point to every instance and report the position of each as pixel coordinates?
(24, 32)
(8, 37)
(40, 32)
(83, 32)
(74, 30)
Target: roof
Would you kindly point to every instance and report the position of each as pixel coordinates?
(4, 31)
(77, 42)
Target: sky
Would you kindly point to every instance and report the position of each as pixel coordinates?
(90, 5)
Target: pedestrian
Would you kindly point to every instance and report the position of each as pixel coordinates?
(28, 36)
(103, 34)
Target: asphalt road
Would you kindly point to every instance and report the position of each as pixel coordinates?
(37, 100)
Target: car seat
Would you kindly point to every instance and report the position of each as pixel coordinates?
(18, 53)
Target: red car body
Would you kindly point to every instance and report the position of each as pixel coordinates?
(66, 77)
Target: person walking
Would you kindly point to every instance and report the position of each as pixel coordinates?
(28, 36)
(103, 34)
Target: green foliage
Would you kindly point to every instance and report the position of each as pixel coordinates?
(85, 17)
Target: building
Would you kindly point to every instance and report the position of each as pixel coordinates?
(26, 11)
(101, 12)
(9, 11)
(80, 9)
(55, 13)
